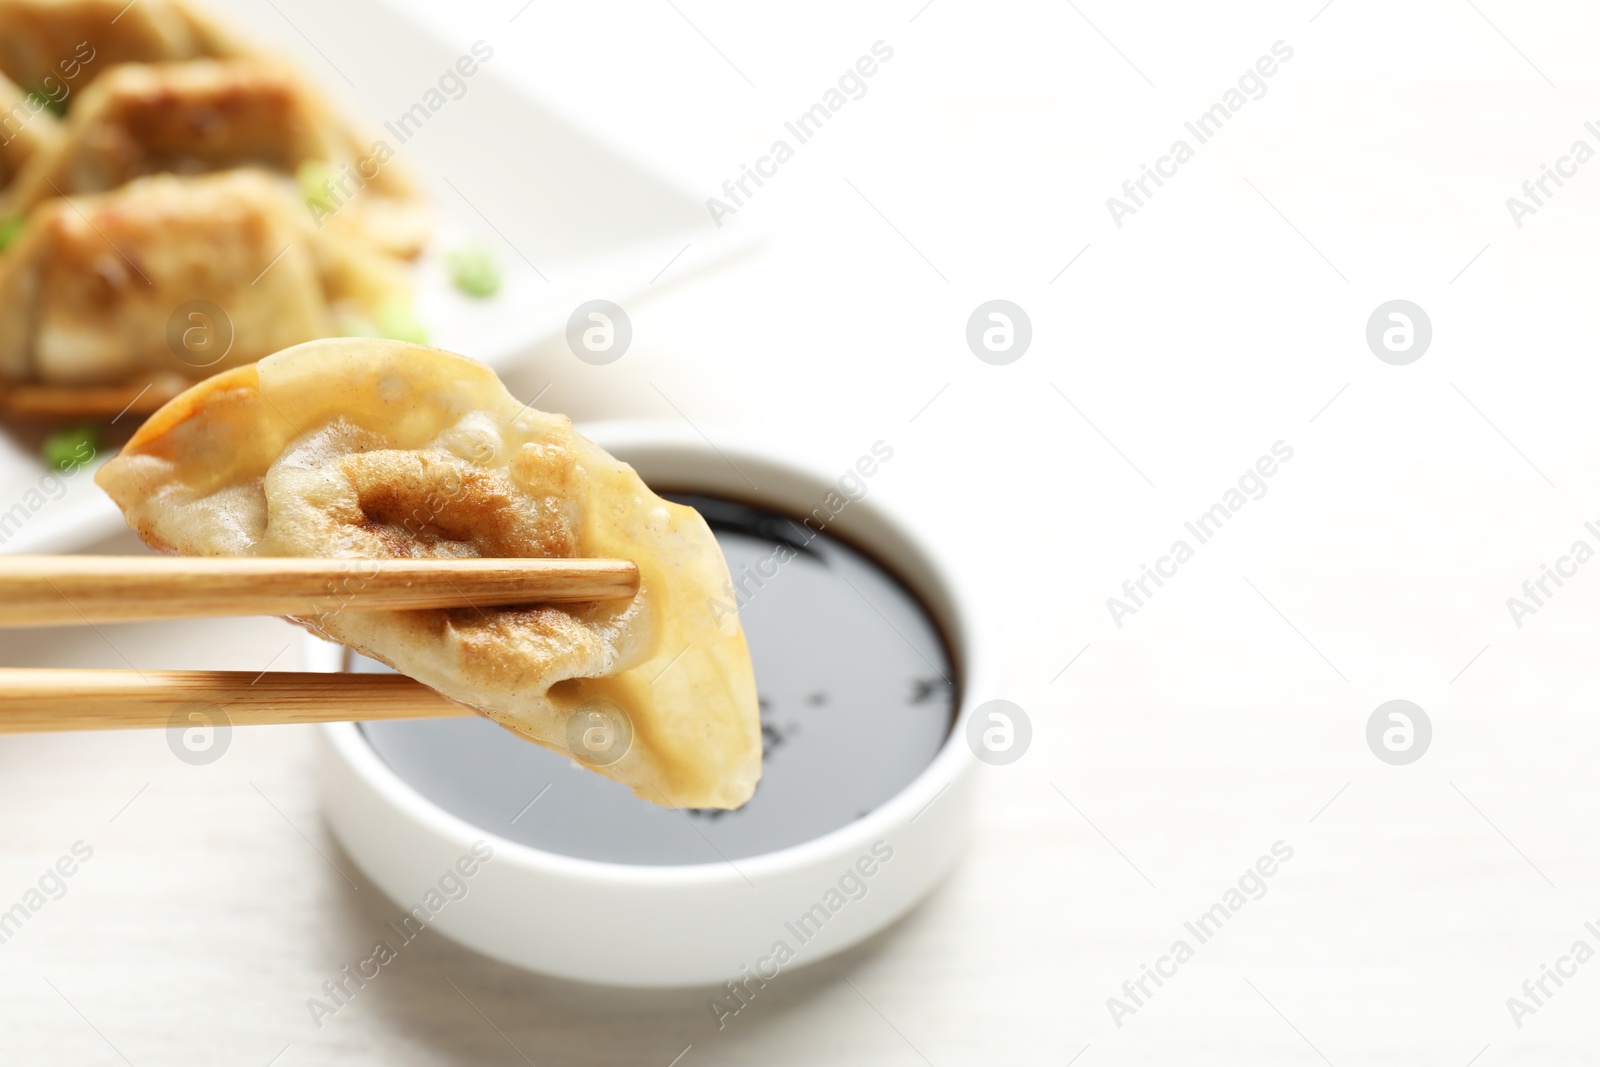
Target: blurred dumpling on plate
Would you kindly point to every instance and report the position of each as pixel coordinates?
(46, 43)
(210, 115)
(27, 124)
(168, 280)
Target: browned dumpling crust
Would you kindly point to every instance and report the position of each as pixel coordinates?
(27, 125)
(90, 288)
(379, 449)
(73, 42)
(212, 115)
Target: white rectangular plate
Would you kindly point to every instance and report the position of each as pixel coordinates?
(567, 217)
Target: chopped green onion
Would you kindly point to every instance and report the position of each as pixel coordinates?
(71, 448)
(474, 272)
(10, 230)
(43, 99)
(314, 176)
(397, 321)
(356, 326)
(393, 319)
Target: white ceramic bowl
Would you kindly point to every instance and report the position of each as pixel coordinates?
(706, 923)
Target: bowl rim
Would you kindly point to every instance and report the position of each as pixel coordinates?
(963, 632)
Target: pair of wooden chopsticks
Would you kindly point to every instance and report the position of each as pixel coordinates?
(86, 590)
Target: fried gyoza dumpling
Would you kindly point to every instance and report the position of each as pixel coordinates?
(26, 126)
(175, 277)
(192, 118)
(380, 449)
(44, 43)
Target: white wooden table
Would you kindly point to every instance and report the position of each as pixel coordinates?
(1228, 714)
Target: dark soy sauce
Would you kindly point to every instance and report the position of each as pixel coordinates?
(857, 696)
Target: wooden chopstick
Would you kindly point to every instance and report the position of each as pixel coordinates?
(35, 700)
(75, 590)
